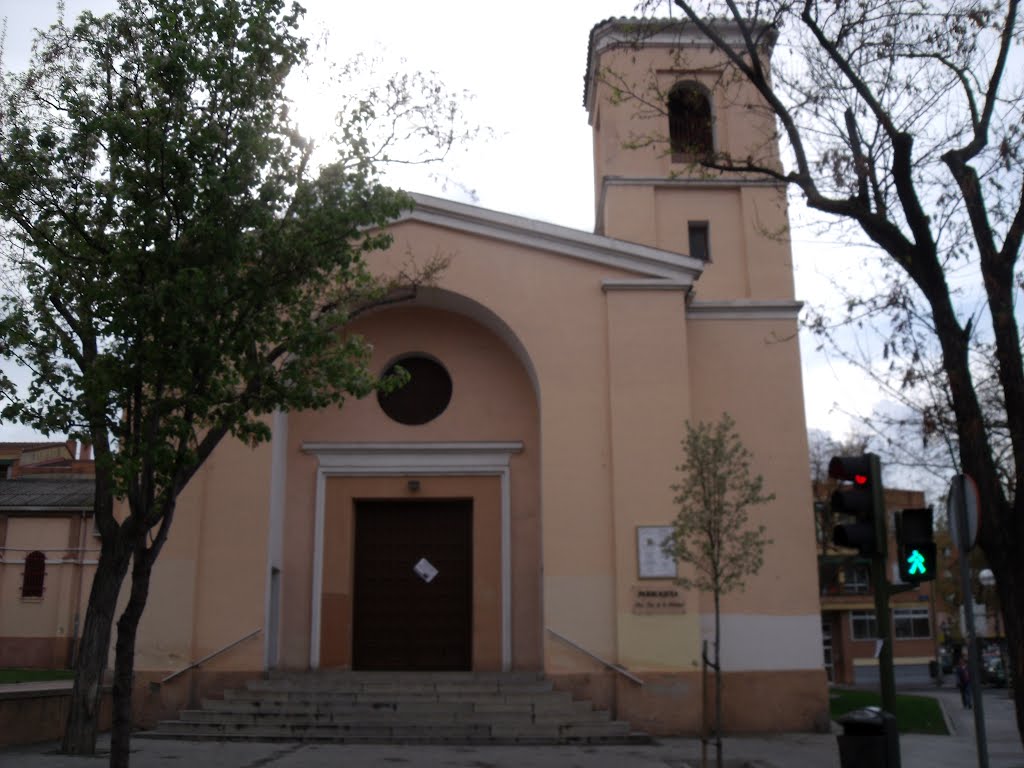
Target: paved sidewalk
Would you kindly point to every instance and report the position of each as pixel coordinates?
(782, 751)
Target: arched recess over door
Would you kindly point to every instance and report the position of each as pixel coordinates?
(493, 408)
(449, 301)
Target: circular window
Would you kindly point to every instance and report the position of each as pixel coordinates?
(424, 397)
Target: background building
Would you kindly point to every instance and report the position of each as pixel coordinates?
(47, 551)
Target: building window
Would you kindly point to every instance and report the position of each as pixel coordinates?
(34, 576)
(689, 121)
(856, 580)
(425, 395)
(911, 623)
(698, 233)
(862, 625)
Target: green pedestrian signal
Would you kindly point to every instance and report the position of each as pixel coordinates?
(916, 563)
(915, 545)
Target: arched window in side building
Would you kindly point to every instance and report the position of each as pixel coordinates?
(35, 575)
(689, 121)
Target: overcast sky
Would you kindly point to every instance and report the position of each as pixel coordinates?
(524, 62)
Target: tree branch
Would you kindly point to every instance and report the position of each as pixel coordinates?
(992, 93)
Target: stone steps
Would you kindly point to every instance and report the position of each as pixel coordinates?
(325, 697)
(278, 717)
(560, 702)
(400, 708)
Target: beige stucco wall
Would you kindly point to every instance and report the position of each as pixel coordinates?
(208, 585)
(756, 378)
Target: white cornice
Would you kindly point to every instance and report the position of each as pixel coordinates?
(530, 233)
(644, 285)
(743, 309)
(667, 33)
(690, 183)
(420, 458)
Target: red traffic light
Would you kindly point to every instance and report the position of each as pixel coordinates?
(855, 469)
(859, 495)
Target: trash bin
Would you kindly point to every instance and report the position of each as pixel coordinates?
(869, 739)
(933, 669)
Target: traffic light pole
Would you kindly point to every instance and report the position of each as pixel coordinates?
(883, 619)
(886, 676)
(879, 578)
(972, 649)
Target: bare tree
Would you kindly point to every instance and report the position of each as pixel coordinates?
(902, 120)
(710, 532)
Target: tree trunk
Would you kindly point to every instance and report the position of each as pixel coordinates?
(718, 682)
(83, 714)
(124, 656)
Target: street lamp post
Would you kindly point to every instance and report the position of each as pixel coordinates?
(988, 581)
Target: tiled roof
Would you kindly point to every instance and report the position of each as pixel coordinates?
(46, 494)
(591, 52)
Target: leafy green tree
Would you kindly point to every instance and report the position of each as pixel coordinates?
(711, 532)
(178, 266)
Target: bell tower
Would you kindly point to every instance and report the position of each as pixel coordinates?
(660, 98)
(663, 103)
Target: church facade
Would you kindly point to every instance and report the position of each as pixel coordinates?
(504, 511)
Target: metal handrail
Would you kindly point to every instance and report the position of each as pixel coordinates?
(614, 667)
(209, 656)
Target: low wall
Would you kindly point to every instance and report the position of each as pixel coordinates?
(670, 704)
(34, 652)
(29, 715)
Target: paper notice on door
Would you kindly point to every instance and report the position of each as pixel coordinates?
(425, 570)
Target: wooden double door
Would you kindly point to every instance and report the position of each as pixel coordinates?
(413, 590)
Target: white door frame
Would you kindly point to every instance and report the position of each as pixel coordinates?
(420, 459)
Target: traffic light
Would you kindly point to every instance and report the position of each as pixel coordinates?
(859, 496)
(915, 544)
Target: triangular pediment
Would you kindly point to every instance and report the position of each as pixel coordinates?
(649, 265)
